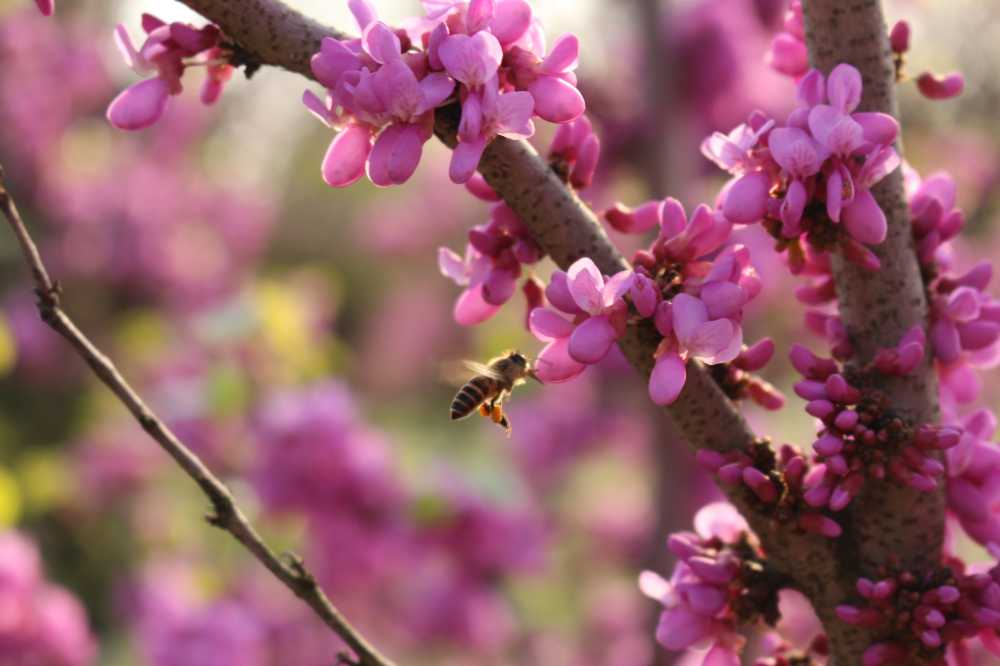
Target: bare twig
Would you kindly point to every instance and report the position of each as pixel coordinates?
(225, 514)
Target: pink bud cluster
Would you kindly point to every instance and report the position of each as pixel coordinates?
(788, 55)
(718, 583)
(695, 301)
(169, 49)
(491, 266)
(925, 615)
(809, 179)
(860, 439)
(775, 482)
(382, 89)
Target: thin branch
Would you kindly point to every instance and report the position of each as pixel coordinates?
(226, 514)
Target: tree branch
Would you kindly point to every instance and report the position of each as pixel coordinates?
(226, 514)
(888, 520)
(567, 230)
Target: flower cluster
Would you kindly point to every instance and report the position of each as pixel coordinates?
(691, 289)
(41, 622)
(809, 179)
(860, 438)
(775, 482)
(719, 582)
(965, 318)
(382, 90)
(492, 264)
(169, 49)
(974, 478)
(926, 614)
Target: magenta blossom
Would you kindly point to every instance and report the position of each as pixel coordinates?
(167, 52)
(46, 7)
(484, 117)
(696, 599)
(788, 53)
(491, 266)
(974, 478)
(599, 312)
(826, 154)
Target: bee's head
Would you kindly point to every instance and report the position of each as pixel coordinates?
(519, 359)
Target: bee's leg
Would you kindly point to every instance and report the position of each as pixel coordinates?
(485, 409)
(499, 417)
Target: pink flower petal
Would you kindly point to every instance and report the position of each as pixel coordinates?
(795, 151)
(499, 286)
(689, 313)
(721, 655)
(746, 198)
(792, 208)
(405, 154)
(479, 15)
(554, 364)
(723, 299)
(667, 379)
(436, 88)
(564, 56)
(586, 285)
(46, 7)
(363, 11)
(452, 266)
(556, 100)
(711, 339)
(558, 293)
(381, 43)
(465, 159)
(513, 115)
(471, 308)
(472, 60)
(864, 219)
(843, 87)
(381, 155)
(139, 105)
(344, 162)
(511, 20)
(591, 340)
(679, 628)
(333, 59)
(720, 520)
(877, 128)
(547, 325)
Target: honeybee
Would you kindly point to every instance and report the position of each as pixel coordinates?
(489, 387)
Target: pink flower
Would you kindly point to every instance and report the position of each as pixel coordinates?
(575, 151)
(689, 333)
(696, 598)
(550, 80)
(974, 478)
(166, 51)
(46, 7)
(492, 264)
(483, 118)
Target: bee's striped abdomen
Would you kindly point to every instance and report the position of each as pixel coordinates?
(474, 393)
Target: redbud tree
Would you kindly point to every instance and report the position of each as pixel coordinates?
(847, 533)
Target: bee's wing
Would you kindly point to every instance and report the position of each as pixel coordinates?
(481, 369)
(456, 373)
